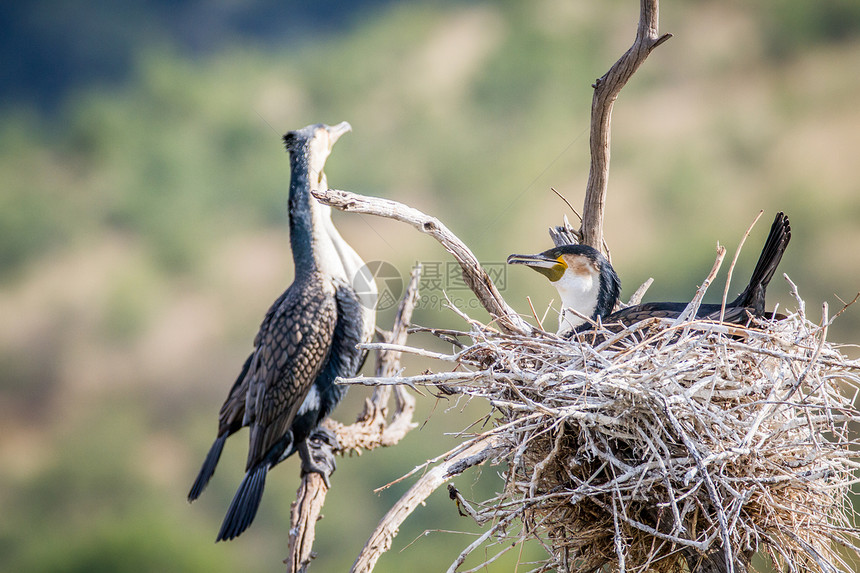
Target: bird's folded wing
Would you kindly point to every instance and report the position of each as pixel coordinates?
(289, 355)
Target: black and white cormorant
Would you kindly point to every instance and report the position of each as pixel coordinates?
(307, 339)
(587, 283)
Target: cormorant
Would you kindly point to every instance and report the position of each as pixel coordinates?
(307, 339)
(593, 289)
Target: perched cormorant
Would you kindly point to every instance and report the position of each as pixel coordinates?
(593, 289)
(307, 339)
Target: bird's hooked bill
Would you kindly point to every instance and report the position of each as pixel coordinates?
(335, 131)
(539, 260)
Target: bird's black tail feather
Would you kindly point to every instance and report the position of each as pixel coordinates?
(245, 503)
(208, 468)
(771, 255)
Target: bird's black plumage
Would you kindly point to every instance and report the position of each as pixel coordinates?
(307, 338)
(309, 343)
(750, 302)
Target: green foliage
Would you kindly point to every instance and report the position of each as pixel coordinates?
(92, 511)
(33, 185)
(793, 27)
(141, 543)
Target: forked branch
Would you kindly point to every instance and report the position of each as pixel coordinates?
(380, 540)
(371, 430)
(606, 90)
(474, 274)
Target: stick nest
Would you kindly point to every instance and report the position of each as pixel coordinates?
(665, 444)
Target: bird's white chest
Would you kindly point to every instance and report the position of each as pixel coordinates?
(579, 292)
(328, 259)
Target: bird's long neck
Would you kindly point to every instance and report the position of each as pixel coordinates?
(311, 245)
(356, 272)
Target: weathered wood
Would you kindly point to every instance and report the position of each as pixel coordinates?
(606, 90)
(474, 275)
(371, 430)
(591, 232)
(381, 538)
(304, 513)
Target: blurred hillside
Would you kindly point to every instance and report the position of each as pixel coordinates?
(143, 226)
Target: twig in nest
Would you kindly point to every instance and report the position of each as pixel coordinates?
(693, 307)
(801, 304)
(636, 297)
(534, 313)
(444, 334)
(732, 266)
(845, 306)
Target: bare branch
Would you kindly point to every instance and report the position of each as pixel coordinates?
(370, 429)
(473, 273)
(606, 90)
(732, 266)
(304, 513)
(381, 538)
(636, 297)
(690, 311)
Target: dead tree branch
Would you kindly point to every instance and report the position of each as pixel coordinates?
(380, 540)
(606, 90)
(369, 432)
(304, 514)
(474, 274)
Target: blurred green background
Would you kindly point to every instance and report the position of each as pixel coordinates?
(143, 227)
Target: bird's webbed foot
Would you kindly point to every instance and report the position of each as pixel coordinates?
(317, 453)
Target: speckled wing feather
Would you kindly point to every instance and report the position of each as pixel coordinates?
(290, 353)
(633, 314)
(232, 413)
(233, 410)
